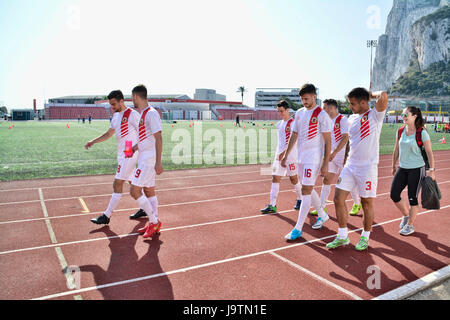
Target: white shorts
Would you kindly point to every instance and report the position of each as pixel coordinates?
(125, 168)
(335, 166)
(278, 170)
(308, 173)
(145, 174)
(362, 179)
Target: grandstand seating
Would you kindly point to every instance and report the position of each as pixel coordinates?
(55, 112)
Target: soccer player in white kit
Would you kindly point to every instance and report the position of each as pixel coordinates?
(361, 168)
(149, 145)
(339, 140)
(312, 133)
(124, 124)
(284, 132)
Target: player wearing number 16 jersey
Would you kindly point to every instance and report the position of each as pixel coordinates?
(284, 133)
(361, 168)
(125, 125)
(312, 134)
(149, 145)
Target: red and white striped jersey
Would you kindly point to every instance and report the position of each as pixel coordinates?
(284, 134)
(125, 124)
(340, 127)
(310, 124)
(364, 134)
(149, 124)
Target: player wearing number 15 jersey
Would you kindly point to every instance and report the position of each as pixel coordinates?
(284, 133)
(149, 145)
(361, 168)
(125, 125)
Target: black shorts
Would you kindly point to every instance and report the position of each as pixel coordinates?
(407, 177)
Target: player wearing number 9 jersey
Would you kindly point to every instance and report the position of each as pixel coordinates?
(125, 125)
(149, 145)
(284, 132)
(361, 168)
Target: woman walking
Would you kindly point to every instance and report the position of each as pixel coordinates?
(411, 168)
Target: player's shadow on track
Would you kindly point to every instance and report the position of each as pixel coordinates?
(405, 250)
(125, 264)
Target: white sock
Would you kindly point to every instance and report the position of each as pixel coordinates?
(365, 234)
(315, 200)
(115, 199)
(154, 202)
(145, 204)
(303, 212)
(274, 194)
(326, 189)
(342, 233)
(298, 190)
(355, 197)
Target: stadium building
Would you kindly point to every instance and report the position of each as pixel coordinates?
(206, 105)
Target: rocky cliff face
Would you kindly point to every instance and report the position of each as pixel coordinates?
(430, 38)
(395, 47)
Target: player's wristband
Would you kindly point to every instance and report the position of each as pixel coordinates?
(431, 169)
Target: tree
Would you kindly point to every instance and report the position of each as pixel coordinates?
(294, 106)
(242, 90)
(4, 109)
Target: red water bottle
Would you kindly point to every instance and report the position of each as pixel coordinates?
(128, 149)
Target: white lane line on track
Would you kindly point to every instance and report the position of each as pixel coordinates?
(172, 189)
(162, 230)
(167, 229)
(172, 178)
(70, 282)
(164, 274)
(166, 205)
(317, 277)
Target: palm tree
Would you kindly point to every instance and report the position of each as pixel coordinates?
(242, 90)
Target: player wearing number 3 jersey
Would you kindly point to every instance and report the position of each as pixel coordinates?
(284, 133)
(361, 168)
(149, 161)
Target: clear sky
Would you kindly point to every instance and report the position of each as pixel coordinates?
(52, 48)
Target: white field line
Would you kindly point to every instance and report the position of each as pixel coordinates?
(170, 189)
(163, 179)
(112, 178)
(62, 260)
(317, 277)
(173, 228)
(196, 267)
(161, 190)
(166, 205)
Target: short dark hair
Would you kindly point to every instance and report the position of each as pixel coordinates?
(141, 91)
(116, 94)
(283, 104)
(359, 94)
(331, 102)
(307, 88)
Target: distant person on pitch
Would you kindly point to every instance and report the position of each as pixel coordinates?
(311, 132)
(149, 145)
(284, 132)
(361, 169)
(339, 140)
(124, 125)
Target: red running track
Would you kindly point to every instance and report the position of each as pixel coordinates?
(214, 243)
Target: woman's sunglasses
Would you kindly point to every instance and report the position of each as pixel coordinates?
(404, 115)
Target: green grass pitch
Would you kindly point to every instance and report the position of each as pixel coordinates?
(41, 149)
